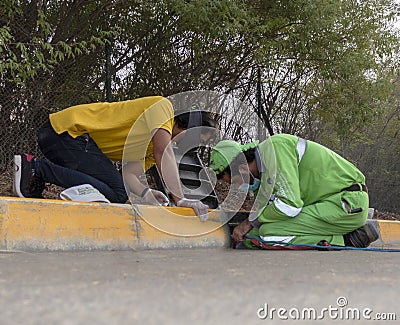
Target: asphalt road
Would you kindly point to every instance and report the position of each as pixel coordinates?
(202, 286)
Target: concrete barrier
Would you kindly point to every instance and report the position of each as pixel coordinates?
(389, 233)
(55, 225)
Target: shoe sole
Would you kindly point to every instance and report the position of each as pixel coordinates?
(17, 176)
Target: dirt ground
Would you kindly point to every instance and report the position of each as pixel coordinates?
(221, 190)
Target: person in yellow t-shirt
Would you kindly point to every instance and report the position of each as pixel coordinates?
(81, 142)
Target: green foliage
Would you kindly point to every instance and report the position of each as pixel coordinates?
(378, 156)
(29, 44)
(337, 53)
(327, 67)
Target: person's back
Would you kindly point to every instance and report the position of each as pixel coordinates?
(109, 124)
(320, 172)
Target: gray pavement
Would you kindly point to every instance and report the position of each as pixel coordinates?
(201, 286)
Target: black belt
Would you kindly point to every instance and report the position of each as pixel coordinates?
(356, 188)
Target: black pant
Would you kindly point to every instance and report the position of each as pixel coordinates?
(76, 161)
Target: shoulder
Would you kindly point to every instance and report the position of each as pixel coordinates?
(280, 139)
(283, 137)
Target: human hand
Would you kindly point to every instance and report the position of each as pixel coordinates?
(199, 207)
(155, 197)
(241, 230)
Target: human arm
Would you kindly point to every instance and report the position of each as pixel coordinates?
(241, 230)
(131, 173)
(166, 164)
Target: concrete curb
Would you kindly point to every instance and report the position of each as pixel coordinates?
(389, 233)
(55, 225)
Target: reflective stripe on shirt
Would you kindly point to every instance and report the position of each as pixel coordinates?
(277, 239)
(286, 208)
(279, 204)
(301, 148)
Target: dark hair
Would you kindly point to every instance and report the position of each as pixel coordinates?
(195, 118)
(227, 170)
(249, 154)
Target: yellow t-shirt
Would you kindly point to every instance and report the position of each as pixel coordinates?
(109, 125)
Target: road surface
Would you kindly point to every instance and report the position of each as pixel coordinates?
(199, 286)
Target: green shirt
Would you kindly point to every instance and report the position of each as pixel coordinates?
(299, 181)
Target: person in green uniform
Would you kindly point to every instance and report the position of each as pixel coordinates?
(305, 192)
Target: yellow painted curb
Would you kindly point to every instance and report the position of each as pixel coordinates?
(389, 233)
(33, 224)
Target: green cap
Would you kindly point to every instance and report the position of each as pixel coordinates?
(225, 152)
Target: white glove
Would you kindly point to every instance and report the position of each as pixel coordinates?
(155, 197)
(199, 207)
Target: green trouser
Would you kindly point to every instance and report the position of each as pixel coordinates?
(325, 220)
